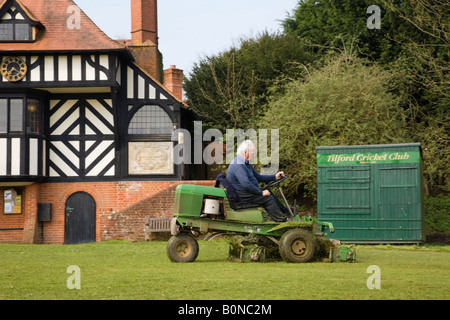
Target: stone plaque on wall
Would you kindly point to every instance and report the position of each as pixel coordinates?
(150, 158)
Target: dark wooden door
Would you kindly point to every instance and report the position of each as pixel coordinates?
(80, 219)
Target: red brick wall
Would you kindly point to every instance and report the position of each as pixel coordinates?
(148, 58)
(31, 230)
(129, 222)
(173, 81)
(144, 21)
(122, 209)
(144, 37)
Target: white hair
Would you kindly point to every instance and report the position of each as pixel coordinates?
(245, 146)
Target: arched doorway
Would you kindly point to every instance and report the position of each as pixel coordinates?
(80, 219)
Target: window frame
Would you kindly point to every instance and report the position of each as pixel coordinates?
(37, 116)
(24, 116)
(8, 116)
(150, 134)
(148, 139)
(14, 22)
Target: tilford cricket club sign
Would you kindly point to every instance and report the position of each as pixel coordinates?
(368, 158)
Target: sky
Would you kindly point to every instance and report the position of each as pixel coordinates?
(192, 29)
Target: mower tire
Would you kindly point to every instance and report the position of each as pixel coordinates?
(297, 246)
(182, 248)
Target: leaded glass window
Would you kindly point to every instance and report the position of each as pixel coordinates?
(14, 27)
(151, 120)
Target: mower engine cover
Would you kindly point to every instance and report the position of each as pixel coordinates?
(189, 199)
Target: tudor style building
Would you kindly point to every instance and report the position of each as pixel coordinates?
(85, 122)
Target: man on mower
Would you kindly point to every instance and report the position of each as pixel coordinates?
(244, 178)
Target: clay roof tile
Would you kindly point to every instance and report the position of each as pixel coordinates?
(65, 28)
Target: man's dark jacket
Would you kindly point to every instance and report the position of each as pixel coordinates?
(244, 177)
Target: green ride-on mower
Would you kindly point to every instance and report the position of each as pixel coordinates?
(252, 235)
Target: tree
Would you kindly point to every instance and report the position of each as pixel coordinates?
(422, 79)
(326, 23)
(412, 44)
(347, 102)
(230, 90)
(221, 95)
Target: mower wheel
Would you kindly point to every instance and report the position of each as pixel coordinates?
(297, 246)
(182, 248)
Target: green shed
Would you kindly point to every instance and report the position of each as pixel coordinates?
(373, 193)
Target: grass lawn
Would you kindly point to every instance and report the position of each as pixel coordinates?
(124, 270)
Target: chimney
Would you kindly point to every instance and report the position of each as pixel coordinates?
(144, 37)
(173, 81)
(144, 21)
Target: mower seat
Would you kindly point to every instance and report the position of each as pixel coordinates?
(233, 197)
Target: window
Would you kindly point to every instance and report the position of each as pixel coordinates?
(3, 115)
(151, 153)
(14, 27)
(12, 115)
(32, 116)
(15, 31)
(151, 120)
(6, 31)
(22, 31)
(16, 115)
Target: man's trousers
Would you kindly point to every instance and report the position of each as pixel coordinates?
(270, 203)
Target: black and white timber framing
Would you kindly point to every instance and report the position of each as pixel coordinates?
(86, 103)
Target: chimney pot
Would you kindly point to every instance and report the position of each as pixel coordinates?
(144, 36)
(144, 21)
(173, 81)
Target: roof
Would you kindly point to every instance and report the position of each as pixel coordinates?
(398, 145)
(61, 31)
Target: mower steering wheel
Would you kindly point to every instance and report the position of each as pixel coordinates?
(276, 182)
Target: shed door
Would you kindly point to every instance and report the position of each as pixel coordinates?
(80, 219)
(400, 202)
(344, 190)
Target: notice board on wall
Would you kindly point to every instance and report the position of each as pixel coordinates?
(12, 202)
